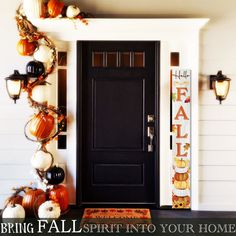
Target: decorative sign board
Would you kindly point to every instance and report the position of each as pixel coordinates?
(181, 147)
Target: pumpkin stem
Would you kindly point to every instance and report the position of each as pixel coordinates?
(50, 209)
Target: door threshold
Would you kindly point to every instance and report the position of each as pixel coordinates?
(151, 205)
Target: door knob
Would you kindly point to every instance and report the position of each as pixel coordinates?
(150, 134)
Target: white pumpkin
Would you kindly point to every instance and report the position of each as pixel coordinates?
(43, 54)
(33, 8)
(72, 11)
(181, 192)
(15, 212)
(40, 93)
(49, 210)
(41, 160)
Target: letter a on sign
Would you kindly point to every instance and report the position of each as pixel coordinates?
(181, 146)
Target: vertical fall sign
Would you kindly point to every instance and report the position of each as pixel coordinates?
(181, 97)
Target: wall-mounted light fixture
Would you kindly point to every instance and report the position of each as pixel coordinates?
(14, 84)
(221, 84)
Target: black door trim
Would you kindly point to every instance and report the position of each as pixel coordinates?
(79, 123)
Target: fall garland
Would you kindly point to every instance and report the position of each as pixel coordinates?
(28, 31)
(31, 41)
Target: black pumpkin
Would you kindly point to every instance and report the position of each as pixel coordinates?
(55, 175)
(35, 68)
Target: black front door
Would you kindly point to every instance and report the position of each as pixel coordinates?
(118, 153)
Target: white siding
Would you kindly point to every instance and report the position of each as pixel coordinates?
(217, 123)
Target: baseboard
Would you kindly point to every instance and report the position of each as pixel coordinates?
(216, 207)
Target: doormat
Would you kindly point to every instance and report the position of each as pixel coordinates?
(110, 216)
(116, 213)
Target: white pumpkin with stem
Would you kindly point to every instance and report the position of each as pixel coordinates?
(72, 11)
(42, 160)
(15, 212)
(49, 210)
(33, 8)
(43, 54)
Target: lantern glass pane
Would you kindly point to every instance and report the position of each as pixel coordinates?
(14, 87)
(222, 88)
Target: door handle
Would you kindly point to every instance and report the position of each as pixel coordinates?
(150, 134)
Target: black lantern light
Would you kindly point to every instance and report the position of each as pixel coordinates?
(221, 84)
(15, 83)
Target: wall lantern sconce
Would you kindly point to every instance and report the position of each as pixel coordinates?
(221, 84)
(14, 84)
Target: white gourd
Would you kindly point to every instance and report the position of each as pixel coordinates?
(33, 8)
(49, 210)
(40, 93)
(43, 54)
(15, 212)
(41, 160)
(72, 11)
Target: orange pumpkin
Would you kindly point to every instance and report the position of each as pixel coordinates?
(181, 199)
(32, 200)
(17, 199)
(55, 7)
(181, 176)
(180, 163)
(181, 184)
(42, 125)
(26, 48)
(59, 194)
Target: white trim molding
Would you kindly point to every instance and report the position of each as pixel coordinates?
(176, 35)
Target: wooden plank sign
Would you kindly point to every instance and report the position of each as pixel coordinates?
(181, 148)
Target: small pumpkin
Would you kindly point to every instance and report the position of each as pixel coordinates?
(55, 175)
(32, 200)
(181, 176)
(181, 184)
(42, 125)
(16, 199)
(35, 69)
(26, 48)
(72, 11)
(181, 170)
(49, 210)
(42, 160)
(14, 211)
(33, 8)
(180, 163)
(59, 194)
(43, 54)
(40, 93)
(55, 7)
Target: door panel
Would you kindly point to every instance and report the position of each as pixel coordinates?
(119, 90)
(113, 130)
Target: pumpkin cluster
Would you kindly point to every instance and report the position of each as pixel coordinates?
(37, 203)
(181, 183)
(52, 9)
(50, 199)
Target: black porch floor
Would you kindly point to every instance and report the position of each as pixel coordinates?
(75, 213)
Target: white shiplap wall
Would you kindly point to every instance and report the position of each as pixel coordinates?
(217, 123)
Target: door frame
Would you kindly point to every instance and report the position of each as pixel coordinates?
(79, 134)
